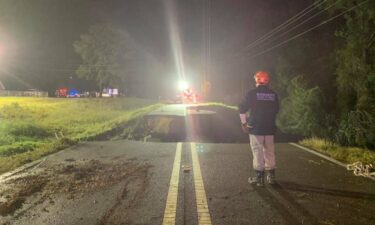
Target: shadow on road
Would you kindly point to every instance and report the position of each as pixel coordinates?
(279, 198)
(283, 203)
(333, 192)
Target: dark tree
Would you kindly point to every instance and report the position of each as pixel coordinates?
(105, 56)
(356, 72)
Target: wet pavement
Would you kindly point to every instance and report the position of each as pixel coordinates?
(127, 182)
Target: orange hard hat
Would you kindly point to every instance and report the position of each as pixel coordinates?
(262, 78)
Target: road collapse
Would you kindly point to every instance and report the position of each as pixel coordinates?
(199, 123)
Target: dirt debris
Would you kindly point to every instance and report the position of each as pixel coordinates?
(16, 196)
(71, 177)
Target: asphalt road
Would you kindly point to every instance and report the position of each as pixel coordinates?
(148, 183)
(310, 190)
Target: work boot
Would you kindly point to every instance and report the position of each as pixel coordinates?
(258, 179)
(271, 177)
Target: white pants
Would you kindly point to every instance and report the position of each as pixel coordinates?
(263, 150)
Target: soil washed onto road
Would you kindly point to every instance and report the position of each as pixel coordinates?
(73, 179)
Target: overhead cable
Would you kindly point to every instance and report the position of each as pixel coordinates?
(298, 25)
(306, 31)
(284, 25)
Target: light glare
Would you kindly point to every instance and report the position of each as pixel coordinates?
(183, 85)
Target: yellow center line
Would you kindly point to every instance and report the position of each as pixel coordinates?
(170, 208)
(204, 217)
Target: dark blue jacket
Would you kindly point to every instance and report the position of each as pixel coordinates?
(263, 105)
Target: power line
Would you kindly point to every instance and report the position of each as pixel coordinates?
(282, 26)
(306, 31)
(207, 38)
(285, 24)
(299, 24)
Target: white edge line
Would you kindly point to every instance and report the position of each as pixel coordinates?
(319, 154)
(7, 175)
(34, 164)
(323, 156)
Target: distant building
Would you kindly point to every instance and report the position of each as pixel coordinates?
(2, 87)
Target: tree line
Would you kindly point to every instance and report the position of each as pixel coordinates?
(328, 86)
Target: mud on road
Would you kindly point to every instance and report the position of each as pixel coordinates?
(72, 179)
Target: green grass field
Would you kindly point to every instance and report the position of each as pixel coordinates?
(33, 127)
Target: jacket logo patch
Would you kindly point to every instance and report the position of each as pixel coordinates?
(266, 97)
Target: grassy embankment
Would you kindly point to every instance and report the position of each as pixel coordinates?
(340, 153)
(34, 127)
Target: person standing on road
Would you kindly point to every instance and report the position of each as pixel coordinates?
(263, 105)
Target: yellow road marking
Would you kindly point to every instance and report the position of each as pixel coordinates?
(170, 208)
(204, 217)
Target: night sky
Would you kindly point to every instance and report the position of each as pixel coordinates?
(38, 36)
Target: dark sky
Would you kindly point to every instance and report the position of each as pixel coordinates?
(39, 36)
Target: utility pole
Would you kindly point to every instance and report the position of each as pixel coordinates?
(2, 87)
(206, 83)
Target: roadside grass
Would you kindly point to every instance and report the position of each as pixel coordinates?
(343, 154)
(34, 127)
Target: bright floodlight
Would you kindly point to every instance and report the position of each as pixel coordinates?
(183, 85)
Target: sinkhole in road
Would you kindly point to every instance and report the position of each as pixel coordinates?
(209, 124)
